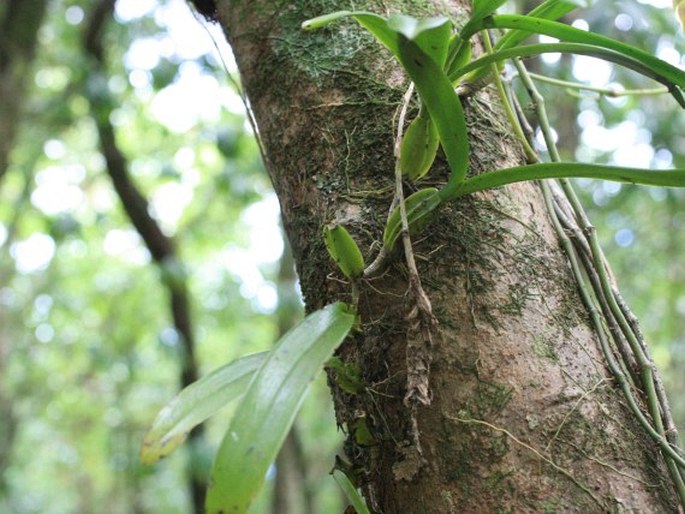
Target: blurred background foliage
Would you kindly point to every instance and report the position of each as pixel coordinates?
(88, 349)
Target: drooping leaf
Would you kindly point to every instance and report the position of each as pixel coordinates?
(497, 178)
(350, 491)
(549, 10)
(267, 410)
(460, 50)
(583, 49)
(621, 53)
(196, 403)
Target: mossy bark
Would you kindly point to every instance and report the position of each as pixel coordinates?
(524, 415)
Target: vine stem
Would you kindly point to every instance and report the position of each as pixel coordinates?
(605, 293)
(422, 322)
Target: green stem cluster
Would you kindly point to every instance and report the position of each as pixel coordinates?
(635, 369)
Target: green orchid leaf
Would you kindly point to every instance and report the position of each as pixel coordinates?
(442, 103)
(549, 10)
(568, 34)
(195, 404)
(432, 35)
(584, 49)
(460, 49)
(419, 208)
(421, 47)
(612, 50)
(497, 178)
(344, 251)
(268, 408)
(350, 491)
(459, 54)
(419, 146)
(480, 9)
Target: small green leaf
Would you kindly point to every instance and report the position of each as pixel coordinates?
(351, 492)
(419, 146)
(419, 206)
(267, 410)
(196, 403)
(344, 251)
(497, 178)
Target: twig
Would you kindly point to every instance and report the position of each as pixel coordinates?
(566, 473)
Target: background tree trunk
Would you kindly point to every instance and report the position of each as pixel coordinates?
(524, 415)
(19, 24)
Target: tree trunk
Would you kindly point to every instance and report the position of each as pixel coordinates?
(19, 24)
(524, 415)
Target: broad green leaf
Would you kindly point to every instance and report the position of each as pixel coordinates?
(443, 105)
(344, 251)
(196, 403)
(350, 491)
(432, 35)
(497, 178)
(267, 410)
(583, 49)
(632, 57)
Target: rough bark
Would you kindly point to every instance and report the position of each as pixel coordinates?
(524, 415)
